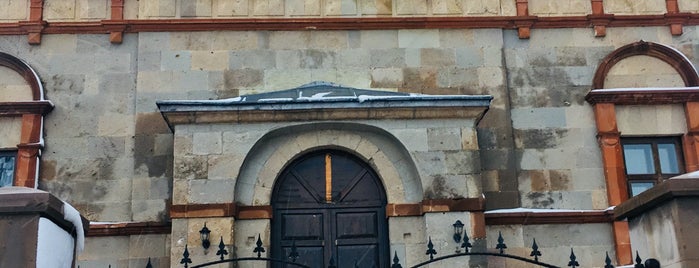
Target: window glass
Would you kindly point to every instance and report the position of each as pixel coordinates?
(7, 169)
(639, 187)
(668, 158)
(638, 159)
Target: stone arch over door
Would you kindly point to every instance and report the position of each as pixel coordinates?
(278, 148)
(330, 205)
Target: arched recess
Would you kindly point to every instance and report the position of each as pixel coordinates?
(642, 48)
(278, 148)
(606, 102)
(31, 113)
(332, 204)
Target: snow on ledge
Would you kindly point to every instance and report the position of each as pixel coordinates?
(72, 215)
(543, 210)
(660, 89)
(691, 175)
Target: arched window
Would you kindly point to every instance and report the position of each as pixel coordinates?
(22, 110)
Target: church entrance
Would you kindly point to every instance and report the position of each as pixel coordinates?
(330, 206)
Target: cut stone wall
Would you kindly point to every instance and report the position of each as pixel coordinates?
(590, 243)
(624, 7)
(305, 8)
(556, 157)
(648, 120)
(10, 130)
(109, 152)
(688, 5)
(13, 86)
(642, 71)
(559, 8)
(76, 10)
(14, 10)
(127, 251)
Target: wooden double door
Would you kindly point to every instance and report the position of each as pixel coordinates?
(330, 206)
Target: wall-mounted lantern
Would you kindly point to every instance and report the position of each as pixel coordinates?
(204, 233)
(458, 230)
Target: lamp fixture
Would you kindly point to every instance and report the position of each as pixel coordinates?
(204, 233)
(458, 230)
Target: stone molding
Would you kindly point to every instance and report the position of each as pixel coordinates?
(656, 196)
(242, 212)
(644, 96)
(128, 228)
(671, 56)
(531, 218)
(34, 29)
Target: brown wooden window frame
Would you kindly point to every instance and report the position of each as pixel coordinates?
(658, 176)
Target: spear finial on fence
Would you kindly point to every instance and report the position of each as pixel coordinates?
(430, 249)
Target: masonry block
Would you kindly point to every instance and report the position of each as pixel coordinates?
(411, 7)
(376, 7)
(92, 10)
(341, 7)
(418, 38)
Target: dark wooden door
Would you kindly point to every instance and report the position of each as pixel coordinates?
(330, 204)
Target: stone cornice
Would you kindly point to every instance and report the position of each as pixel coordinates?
(654, 197)
(128, 228)
(553, 217)
(27, 107)
(357, 23)
(643, 96)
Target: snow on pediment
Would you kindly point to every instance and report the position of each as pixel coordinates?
(324, 101)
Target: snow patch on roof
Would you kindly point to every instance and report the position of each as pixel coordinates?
(645, 89)
(72, 215)
(691, 175)
(542, 210)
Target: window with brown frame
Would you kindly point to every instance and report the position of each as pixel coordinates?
(649, 160)
(7, 167)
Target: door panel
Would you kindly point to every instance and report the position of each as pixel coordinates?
(362, 255)
(302, 226)
(356, 225)
(349, 226)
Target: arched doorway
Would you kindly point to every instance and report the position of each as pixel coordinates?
(330, 204)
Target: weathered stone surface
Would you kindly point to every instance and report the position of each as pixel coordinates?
(447, 7)
(13, 10)
(418, 38)
(92, 10)
(60, 10)
(559, 8)
(341, 7)
(267, 7)
(376, 7)
(635, 7)
(651, 120)
(105, 250)
(411, 7)
(196, 8)
(231, 8)
(688, 6)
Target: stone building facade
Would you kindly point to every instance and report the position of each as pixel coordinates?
(127, 110)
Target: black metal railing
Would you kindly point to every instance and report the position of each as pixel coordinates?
(499, 251)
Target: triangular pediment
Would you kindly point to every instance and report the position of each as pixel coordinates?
(324, 101)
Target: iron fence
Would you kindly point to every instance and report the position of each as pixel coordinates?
(499, 251)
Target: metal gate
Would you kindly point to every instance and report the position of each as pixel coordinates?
(499, 251)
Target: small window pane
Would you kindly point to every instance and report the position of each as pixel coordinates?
(638, 159)
(7, 169)
(639, 187)
(668, 158)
